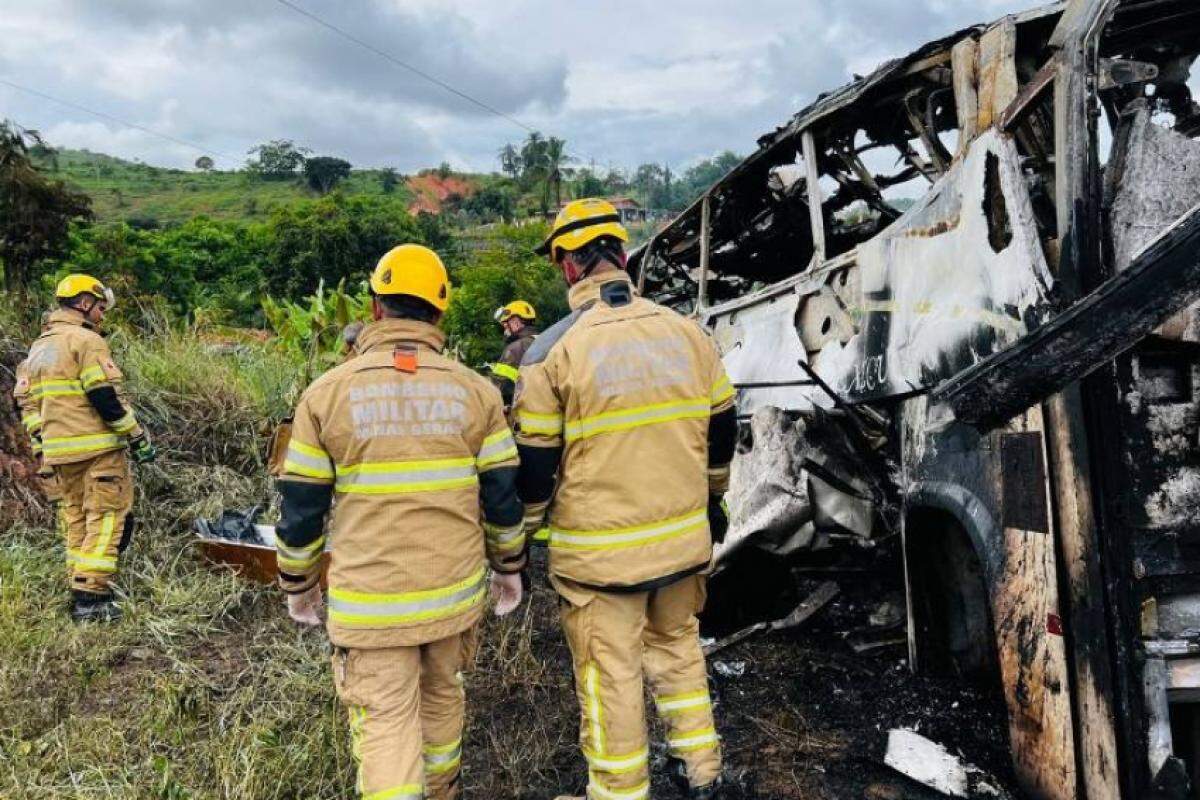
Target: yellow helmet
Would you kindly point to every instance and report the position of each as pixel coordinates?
(517, 308)
(414, 270)
(580, 222)
(74, 285)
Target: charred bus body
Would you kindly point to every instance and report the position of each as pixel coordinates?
(1010, 361)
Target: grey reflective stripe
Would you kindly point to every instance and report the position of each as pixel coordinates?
(503, 535)
(439, 759)
(394, 609)
(304, 459)
(505, 443)
(629, 537)
(415, 480)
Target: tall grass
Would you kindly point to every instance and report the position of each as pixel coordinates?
(205, 689)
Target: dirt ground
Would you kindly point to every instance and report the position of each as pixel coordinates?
(807, 718)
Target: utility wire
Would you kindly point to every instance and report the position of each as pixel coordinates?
(117, 120)
(404, 64)
(415, 70)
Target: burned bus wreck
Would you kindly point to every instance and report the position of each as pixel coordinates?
(957, 298)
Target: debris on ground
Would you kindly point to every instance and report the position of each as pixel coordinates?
(809, 606)
(928, 763)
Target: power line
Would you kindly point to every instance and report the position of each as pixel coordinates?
(404, 64)
(117, 120)
(415, 70)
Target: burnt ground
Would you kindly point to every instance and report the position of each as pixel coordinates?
(800, 713)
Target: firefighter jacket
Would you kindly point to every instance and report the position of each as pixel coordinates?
(416, 448)
(69, 393)
(506, 370)
(629, 404)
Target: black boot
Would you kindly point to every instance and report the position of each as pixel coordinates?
(90, 607)
(710, 792)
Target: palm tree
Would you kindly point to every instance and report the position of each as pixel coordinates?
(555, 159)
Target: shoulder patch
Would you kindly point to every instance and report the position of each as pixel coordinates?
(545, 341)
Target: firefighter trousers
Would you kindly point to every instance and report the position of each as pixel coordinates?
(96, 498)
(615, 639)
(406, 707)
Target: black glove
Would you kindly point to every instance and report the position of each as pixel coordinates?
(718, 518)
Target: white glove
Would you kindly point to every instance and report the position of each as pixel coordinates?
(506, 591)
(307, 608)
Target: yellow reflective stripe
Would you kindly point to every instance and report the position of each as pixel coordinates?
(617, 538)
(595, 711)
(299, 558)
(506, 371)
(405, 791)
(125, 424)
(90, 376)
(444, 758)
(722, 390)
(91, 563)
(56, 388)
(628, 418)
(496, 448)
(686, 741)
(505, 538)
(107, 523)
(36, 446)
(598, 790)
(308, 461)
(549, 424)
(397, 477)
(618, 764)
(369, 609)
(64, 445)
(678, 703)
(32, 421)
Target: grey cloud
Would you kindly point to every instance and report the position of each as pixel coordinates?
(237, 73)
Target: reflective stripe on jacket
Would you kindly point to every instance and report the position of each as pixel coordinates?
(627, 392)
(416, 450)
(66, 362)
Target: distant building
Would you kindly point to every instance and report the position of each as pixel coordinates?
(629, 209)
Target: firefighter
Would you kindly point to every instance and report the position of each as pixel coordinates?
(31, 419)
(517, 320)
(417, 450)
(625, 429)
(76, 416)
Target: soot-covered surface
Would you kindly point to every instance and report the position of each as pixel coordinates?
(809, 717)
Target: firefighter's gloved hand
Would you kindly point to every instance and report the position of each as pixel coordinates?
(307, 608)
(507, 591)
(143, 451)
(718, 518)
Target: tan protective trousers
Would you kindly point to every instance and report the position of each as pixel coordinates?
(406, 709)
(614, 640)
(97, 496)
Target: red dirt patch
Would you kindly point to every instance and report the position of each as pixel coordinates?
(431, 191)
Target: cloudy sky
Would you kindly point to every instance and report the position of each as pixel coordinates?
(624, 83)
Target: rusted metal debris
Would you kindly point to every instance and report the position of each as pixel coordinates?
(801, 614)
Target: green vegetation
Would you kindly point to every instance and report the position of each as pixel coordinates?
(151, 197)
(206, 689)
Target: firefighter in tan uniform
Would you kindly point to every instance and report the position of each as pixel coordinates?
(31, 418)
(626, 428)
(517, 319)
(416, 448)
(73, 409)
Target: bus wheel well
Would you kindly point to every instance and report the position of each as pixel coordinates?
(948, 592)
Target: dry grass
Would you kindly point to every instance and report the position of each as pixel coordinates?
(205, 689)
